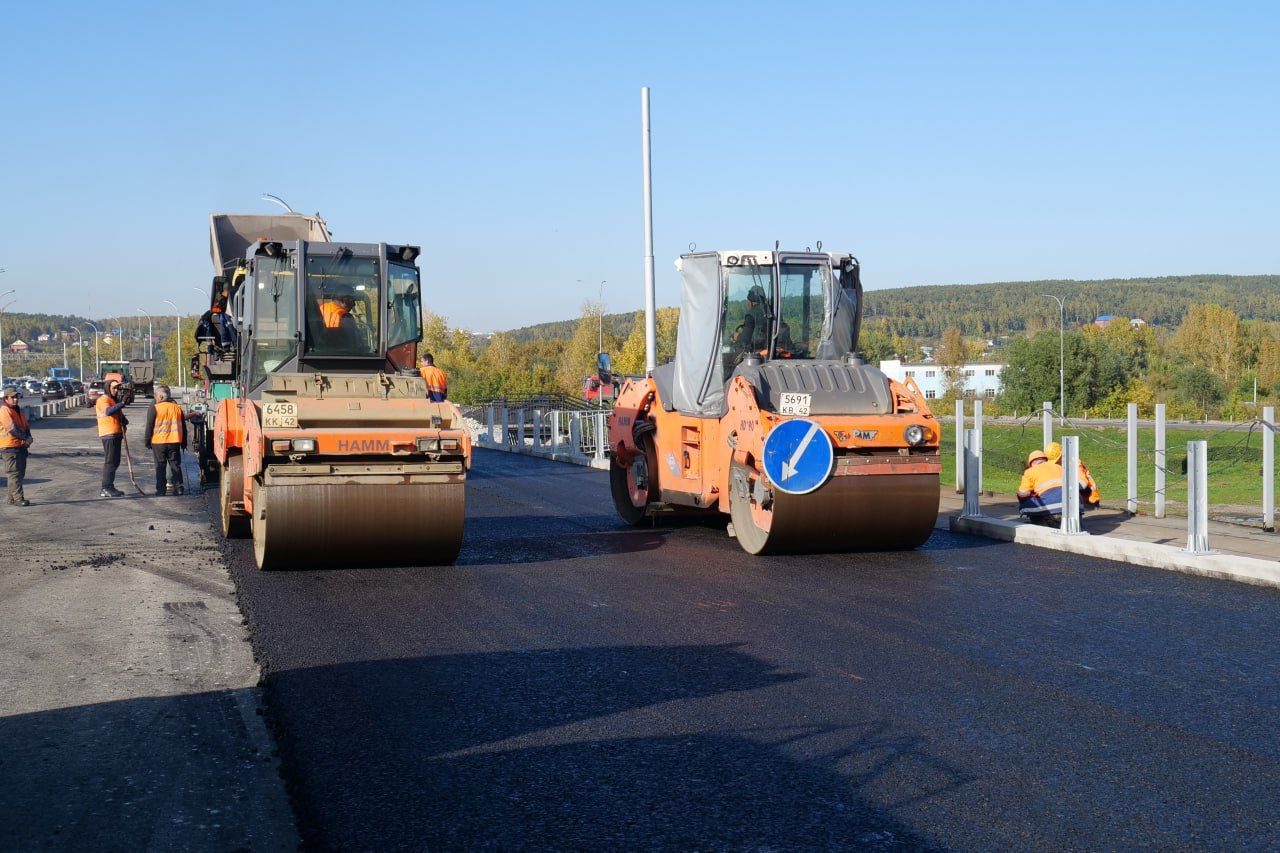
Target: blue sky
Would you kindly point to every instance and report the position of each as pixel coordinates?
(941, 143)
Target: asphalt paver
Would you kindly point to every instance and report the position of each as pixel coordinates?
(574, 683)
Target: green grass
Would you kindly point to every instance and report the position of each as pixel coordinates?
(1235, 461)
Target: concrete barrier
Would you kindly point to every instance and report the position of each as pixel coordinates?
(1151, 554)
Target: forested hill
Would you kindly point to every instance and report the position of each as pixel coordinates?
(1005, 307)
(1000, 308)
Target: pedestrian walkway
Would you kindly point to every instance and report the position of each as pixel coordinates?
(130, 708)
(1250, 549)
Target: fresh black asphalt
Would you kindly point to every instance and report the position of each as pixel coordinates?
(575, 684)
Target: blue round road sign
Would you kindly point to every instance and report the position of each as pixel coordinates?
(798, 456)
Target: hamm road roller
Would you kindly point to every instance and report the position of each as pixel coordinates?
(768, 414)
(330, 453)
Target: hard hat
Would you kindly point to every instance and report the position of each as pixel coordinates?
(1053, 451)
(1034, 455)
(11, 391)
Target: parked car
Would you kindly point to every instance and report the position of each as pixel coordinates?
(34, 388)
(77, 387)
(53, 390)
(68, 387)
(96, 389)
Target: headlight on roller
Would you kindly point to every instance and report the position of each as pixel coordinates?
(304, 445)
(428, 445)
(915, 434)
(448, 444)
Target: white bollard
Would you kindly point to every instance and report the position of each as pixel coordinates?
(1131, 498)
(555, 430)
(575, 433)
(1047, 426)
(977, 438)
(1162, 460)
(1070, 485)
(972, 466)
(1198, 497)
(960, 445)
(602, 434)
(1269, 468)
(489, 421)
(505, 438)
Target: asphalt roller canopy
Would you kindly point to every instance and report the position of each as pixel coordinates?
(884, 512)
(344, 525)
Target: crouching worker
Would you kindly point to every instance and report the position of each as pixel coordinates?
(1040, 492)
(1090, 497)
(166, 436)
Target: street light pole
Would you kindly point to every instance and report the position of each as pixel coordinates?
(79, 348)
(2, 310)
(601, 306)
(182, 381)
(97, 350)
(150, 348)
(1062, 357)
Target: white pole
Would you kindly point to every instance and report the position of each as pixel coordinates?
(972, 464)
(1269, 468)
(977, 438)
(650, 291)
(1070, 484)
(1048, 423)
(1198, 497)
(1161, 460)
(1131, 499)
(182, 373)
(960, 445)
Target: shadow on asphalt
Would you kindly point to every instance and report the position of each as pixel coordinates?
(139, 773)
(551, 750)
(502, 540)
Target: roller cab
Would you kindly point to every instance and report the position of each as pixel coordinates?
(331, 454)
(769, 415)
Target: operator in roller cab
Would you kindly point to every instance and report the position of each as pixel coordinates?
(770, 415)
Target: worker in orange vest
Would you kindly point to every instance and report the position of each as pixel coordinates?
(166, 435)
(1090, 497)
(15, 438)
(437, 382)
(111, 426)
(1040, 490)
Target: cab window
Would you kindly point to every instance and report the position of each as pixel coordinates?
(802, 289)
(748, 312)
(342, 305)
(404, 316)
(275, 298)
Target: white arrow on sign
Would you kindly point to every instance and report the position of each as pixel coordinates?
(789, 467)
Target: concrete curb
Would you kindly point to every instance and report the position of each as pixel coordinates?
(553, 455)
(1223, 566)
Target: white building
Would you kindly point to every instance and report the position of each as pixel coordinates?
(980, 379)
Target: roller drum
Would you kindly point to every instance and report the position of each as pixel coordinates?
(848, 513)
(357, 524)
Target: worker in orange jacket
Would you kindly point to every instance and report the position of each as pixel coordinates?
(111, 426)
(437, 381)
(1040, 490)
(15, 438)
(1090, 497)
(166, 435)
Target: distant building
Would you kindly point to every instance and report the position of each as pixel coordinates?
(980, 379)
(1137, 323)
(43, 338)
(1104, 320)
(19, 346)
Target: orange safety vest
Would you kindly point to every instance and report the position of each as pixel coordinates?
(10, 417)
(167, 428)
(1039, 479)
(436, 381)
(333, 312)
(107, 424)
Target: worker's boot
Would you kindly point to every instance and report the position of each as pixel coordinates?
(177, 490)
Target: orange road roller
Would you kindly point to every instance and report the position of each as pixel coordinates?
(769, 415)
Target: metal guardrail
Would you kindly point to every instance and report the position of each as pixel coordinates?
(575, 436)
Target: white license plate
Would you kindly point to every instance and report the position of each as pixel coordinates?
(280, 416)
(794, 404)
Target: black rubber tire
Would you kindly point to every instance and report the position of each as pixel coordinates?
(231, 489)
(620, 486)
